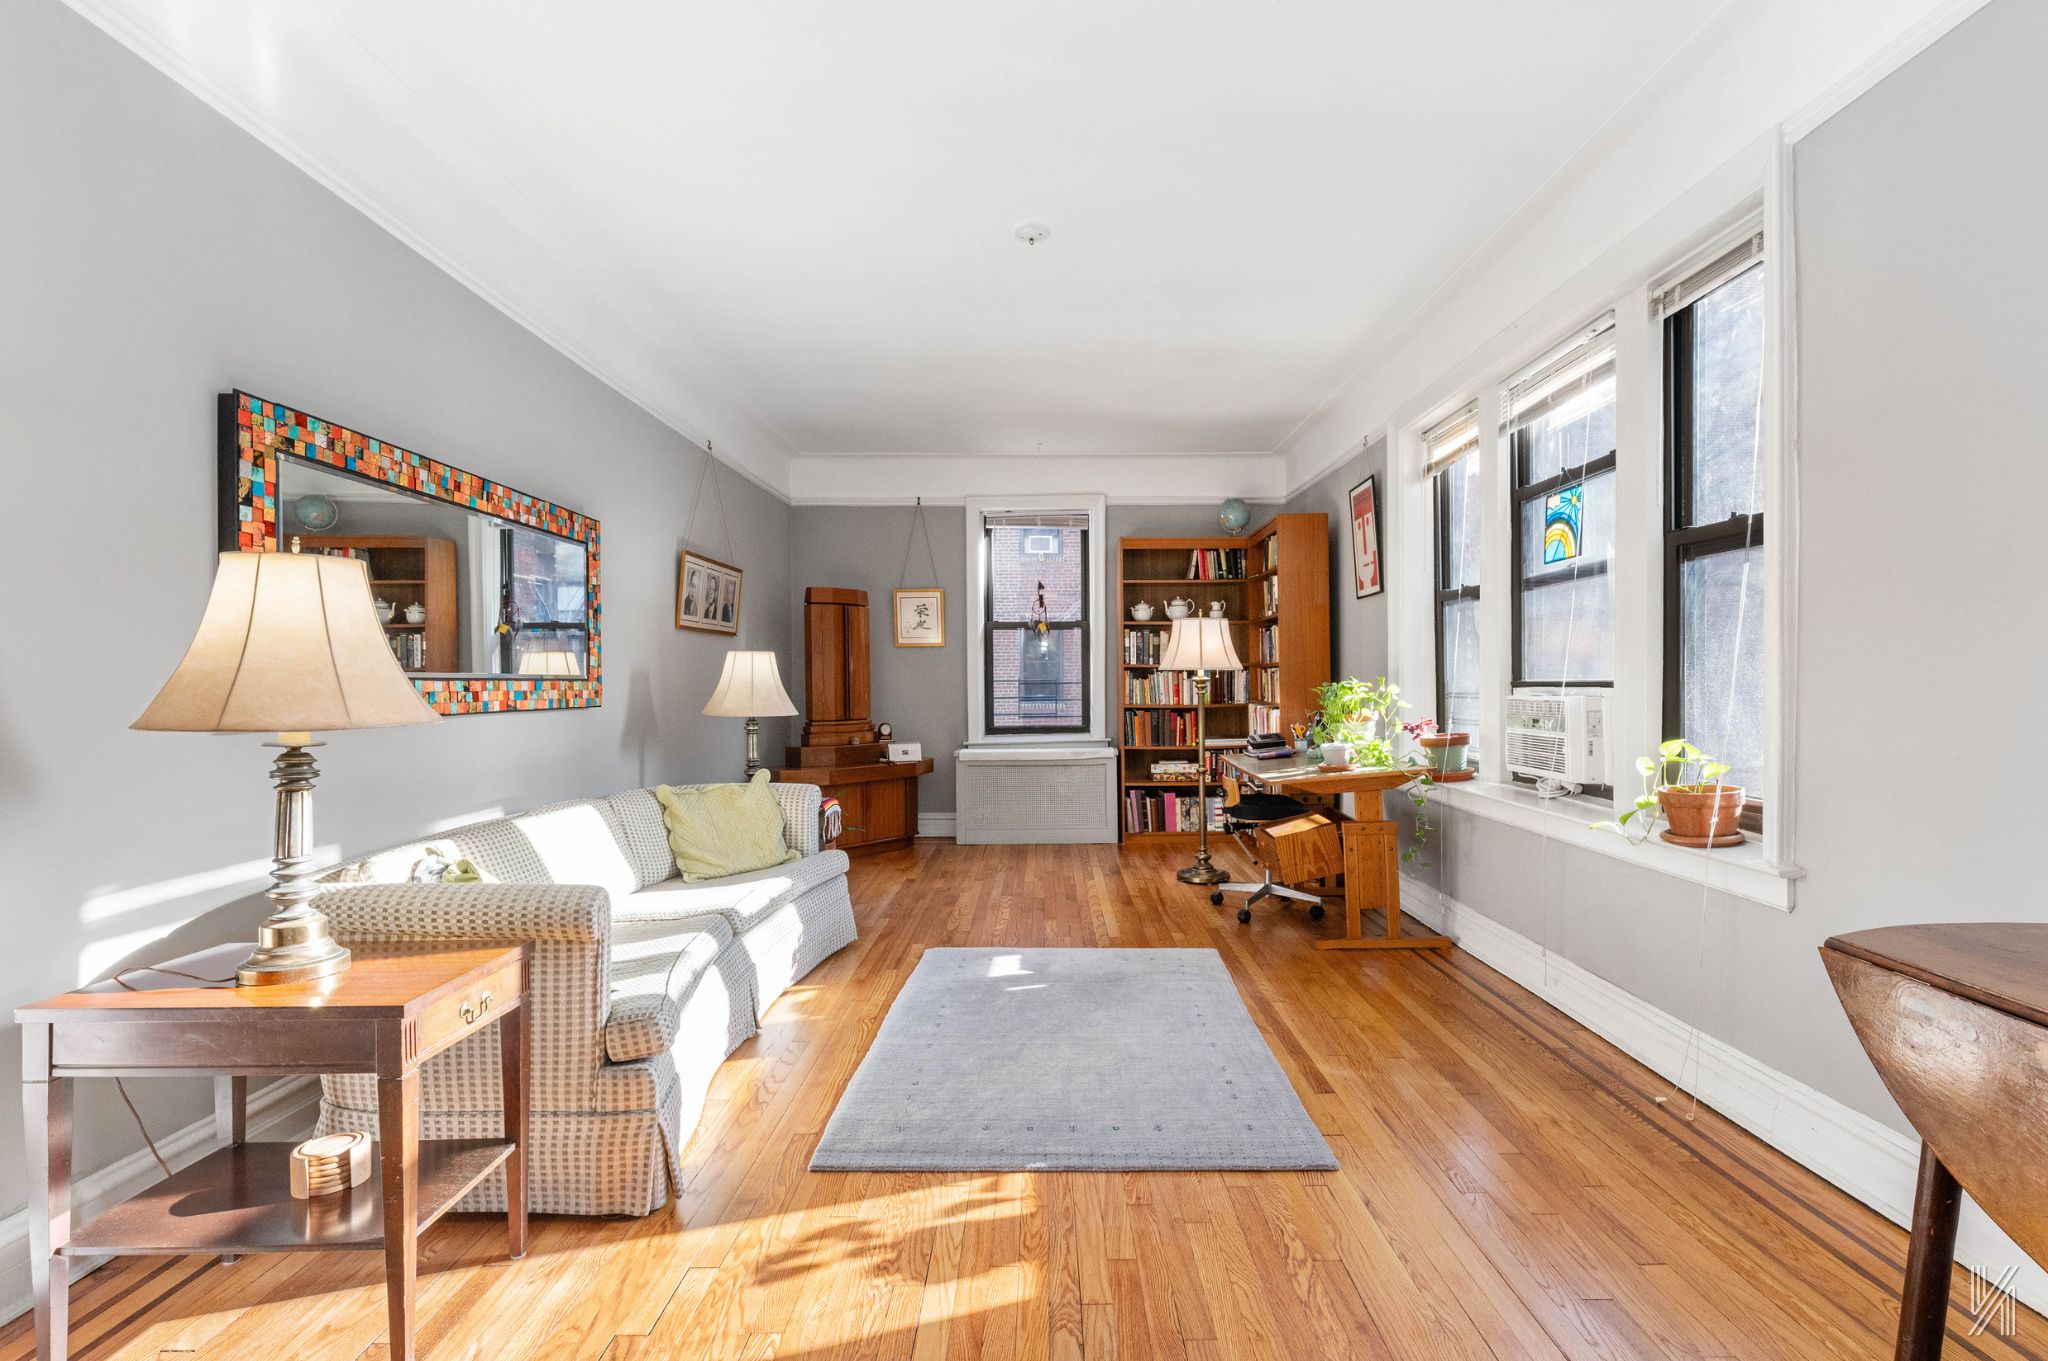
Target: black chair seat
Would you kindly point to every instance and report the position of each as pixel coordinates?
(1265, 808)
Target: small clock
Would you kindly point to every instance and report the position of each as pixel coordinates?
(883, 732)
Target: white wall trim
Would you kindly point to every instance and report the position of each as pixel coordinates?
(283, 1109)
(948, 479)
(938, 825)
(1866, 1158)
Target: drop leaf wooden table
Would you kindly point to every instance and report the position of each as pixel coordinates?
(1955, 1018)
(395, 1008)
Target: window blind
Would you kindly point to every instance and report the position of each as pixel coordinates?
(1561, 377)
(1044, 519)
(1449, 440)
(1689, 289)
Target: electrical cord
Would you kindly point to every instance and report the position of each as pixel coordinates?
(121, 979)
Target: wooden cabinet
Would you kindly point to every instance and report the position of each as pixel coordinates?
(877, 803)
(836, 695)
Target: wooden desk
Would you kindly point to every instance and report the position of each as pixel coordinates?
(1372, 850)
(1955, 1019)
(395, 1008)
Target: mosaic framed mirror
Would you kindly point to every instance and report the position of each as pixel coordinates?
(489, 597)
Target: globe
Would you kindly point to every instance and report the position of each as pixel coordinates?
(317, 513)
(1235, 515)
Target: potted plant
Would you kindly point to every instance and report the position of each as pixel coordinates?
(1682, 785)
(1366, 717)
(1444, 752)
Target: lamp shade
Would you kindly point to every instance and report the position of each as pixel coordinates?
(751, 687)
(289, 643)
(1199, 644)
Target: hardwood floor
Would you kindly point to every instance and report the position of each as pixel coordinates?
(1510, 1188)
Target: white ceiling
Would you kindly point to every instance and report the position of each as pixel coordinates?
(786, 224)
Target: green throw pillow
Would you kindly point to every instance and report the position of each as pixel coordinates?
(722, 829)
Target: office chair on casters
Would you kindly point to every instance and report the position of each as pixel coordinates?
(1242, 819)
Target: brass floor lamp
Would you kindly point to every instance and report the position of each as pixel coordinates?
(1199, 646)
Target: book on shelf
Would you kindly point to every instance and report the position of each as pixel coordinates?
(410, 649)
(1266, 643)
(1216, 564)
(1264, 719)
(1164, 810)
(1269, 596)
(1269, 554)
(1143, 647)
(1178, 687)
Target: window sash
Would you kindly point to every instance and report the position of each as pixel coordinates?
(993, 626)
(1525, 492)
(1453, 438)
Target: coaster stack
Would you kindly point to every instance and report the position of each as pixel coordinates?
(330, 1164)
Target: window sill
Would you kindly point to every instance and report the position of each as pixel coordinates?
(1739, 870)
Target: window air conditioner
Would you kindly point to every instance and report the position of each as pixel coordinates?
(1558, 737)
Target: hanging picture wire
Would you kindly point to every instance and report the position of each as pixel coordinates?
(918, 526)
(920, 611)
(709, 473)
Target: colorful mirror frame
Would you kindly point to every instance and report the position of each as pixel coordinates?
(256, 435)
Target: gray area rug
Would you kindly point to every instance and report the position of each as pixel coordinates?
(1069, 1060)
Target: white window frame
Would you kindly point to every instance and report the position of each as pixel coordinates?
(1096, 508)
(1763, 871)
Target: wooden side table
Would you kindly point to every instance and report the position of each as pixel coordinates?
(1954, 1016)
(394, 1009)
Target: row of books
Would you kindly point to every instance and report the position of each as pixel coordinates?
(1144, 647)
(1159, 728)
(1162, 810)
(1216, 564)
(1264, 720)
(1266, 643)
(1269, 551)
(1265, 684)
(1176, 770)
(1178, 687)
(410, 649)
(1269, 597)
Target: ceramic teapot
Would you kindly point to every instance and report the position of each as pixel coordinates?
(385, 609)
(1141, 611)
(415, 613)
(1178, 608)
(1215, 609)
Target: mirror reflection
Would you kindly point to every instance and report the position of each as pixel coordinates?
(461, 593)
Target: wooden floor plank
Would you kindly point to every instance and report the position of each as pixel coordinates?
(1509, 1188)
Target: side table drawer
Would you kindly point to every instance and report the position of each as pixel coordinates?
(453, 1016)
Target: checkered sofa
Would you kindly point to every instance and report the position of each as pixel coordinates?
(642, 984)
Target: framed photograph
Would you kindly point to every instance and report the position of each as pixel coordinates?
(1365, 539)
(707, 594)
(921, 617)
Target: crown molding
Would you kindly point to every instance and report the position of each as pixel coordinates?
(712, 420)
(949, 479)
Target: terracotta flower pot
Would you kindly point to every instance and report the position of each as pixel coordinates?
(1445, 751)
(1701, 811)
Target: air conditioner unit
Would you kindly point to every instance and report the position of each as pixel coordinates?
(1558, 737)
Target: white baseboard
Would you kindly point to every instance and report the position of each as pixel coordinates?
(935, 824)
(1871, 1161)
(282, 1109)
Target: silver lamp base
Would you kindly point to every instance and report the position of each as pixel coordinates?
(295, 944)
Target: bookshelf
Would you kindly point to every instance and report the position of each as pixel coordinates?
(406, 571)
(1275, 587)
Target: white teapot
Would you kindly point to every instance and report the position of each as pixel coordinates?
(1142, 611)
(1215, 609)
(415, 613)
(1178, 608)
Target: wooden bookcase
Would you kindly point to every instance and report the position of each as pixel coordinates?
(1279, 610)
(408, 571)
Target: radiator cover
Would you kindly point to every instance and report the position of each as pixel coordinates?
(1035, 796)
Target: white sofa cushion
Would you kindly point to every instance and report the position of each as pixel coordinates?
(742, 899)
(580, 843)
(656, 964)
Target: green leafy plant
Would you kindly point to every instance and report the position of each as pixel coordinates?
(1678, 765)
(1367, 716)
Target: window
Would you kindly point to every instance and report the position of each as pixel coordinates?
(543, 605)
(1035, 638)
(1558, 430)
(1452, 448)
(1714, 523)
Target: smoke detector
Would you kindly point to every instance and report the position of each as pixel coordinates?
(1031, 233)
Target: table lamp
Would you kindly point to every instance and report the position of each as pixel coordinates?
(289, 644)
(1198, 646)
(750, 688)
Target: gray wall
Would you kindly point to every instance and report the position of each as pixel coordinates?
(152, 255)
(1921, 352)
(923, 690)
(1359, 645)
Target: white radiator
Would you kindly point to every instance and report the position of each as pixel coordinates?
(1034, 795)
